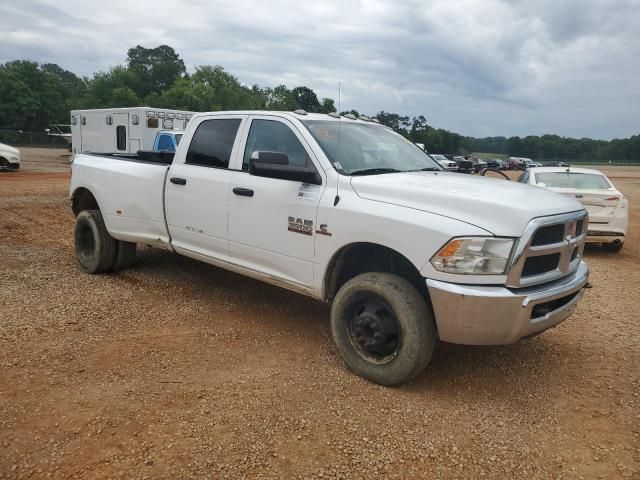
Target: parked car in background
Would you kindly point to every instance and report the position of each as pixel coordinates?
(517, 163)
(531, 164)
(494, 163)
(497, 164)
(444, 162)
(9, 157)
(479, 165)
(464, 165)
(607, 206)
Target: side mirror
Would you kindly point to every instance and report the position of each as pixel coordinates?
(276, 165)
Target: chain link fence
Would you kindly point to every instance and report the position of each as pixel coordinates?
(31, 139)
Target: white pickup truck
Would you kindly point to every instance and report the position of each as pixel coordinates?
(348, 212)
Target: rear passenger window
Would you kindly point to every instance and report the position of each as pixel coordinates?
(121, 137)
(212, 143)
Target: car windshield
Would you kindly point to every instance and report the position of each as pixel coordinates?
(586, 181)
(178, 138)
(439, 158)
(367, 148)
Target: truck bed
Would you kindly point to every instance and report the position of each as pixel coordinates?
(130, 193)
(149, 156)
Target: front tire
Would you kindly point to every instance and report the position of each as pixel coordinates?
(95, 249)
(383, 328)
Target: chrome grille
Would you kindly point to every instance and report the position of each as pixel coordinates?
(547, 235)
(550, 248)
(540, 264)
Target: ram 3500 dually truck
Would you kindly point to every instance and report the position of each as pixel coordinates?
(349, 212)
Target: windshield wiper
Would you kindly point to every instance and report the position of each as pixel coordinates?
(373, 171)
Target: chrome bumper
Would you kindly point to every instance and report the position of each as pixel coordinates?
(487, 315)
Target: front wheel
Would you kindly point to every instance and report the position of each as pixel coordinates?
(383, 328)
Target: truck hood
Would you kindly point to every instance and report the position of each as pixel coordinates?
(501, 207)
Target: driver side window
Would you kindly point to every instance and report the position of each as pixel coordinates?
(273, 136)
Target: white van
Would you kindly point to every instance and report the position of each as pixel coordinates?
(122, 130)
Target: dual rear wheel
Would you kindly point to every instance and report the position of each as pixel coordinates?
(96, 250)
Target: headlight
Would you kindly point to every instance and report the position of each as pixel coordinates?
(474, 256)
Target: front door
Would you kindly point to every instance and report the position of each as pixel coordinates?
(272, 221)
(198, 186)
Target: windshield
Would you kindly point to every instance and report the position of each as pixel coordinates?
(368, 148)
(586, 181)
(178, 137)
(439, 158)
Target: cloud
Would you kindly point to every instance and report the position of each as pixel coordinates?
(481, 67)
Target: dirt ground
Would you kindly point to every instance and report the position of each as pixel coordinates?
(176, 369)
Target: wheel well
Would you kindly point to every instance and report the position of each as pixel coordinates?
(357, 258)
(83, 199)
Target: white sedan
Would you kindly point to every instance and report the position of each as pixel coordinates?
(445, 162)
(9, 157)
(607, 206)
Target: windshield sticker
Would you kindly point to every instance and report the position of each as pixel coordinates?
(337, 165)
(326, 132)
(308, 192)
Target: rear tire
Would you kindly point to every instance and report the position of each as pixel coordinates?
(613, 247)
(383, 328)
(125, 255)
(95, 249)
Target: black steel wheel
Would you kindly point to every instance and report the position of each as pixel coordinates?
(374, 329)
(383, 328)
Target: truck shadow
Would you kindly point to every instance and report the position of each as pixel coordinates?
(527, 367)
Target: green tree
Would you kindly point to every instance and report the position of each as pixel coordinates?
(327, 105)
(106, 89)
(158, 68)
(306, 99)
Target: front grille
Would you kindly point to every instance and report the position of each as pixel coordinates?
(550, 248)
(540, 264)
(548, 235)
(542, 309)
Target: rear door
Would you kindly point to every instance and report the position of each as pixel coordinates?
(120, 123)
(198, 187)
(272, 221)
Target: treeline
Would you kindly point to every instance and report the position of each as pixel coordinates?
(554, 147)
(33, 96)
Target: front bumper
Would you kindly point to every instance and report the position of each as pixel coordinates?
(10, 163)
(488, 315)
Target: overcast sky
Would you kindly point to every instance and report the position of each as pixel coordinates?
(480, 68)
